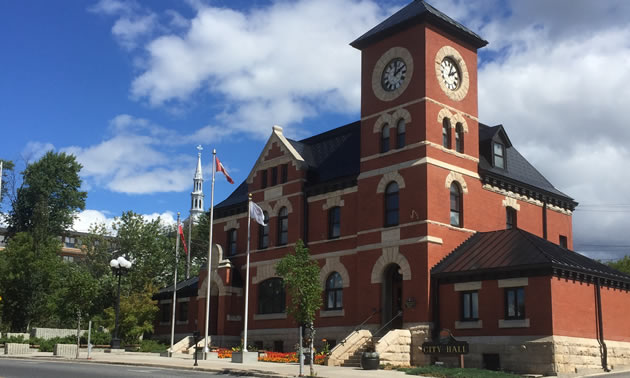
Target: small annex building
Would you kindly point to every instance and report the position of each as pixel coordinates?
(421, 218)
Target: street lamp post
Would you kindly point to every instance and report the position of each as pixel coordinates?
(119, 267)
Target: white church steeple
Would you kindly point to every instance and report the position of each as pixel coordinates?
(196, 197)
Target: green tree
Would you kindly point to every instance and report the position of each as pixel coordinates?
(137, 313)
(7, 179)
(26, 276)
(150, 246)
(622, 265)
(300, 276)
(48, 198)
(73, 292)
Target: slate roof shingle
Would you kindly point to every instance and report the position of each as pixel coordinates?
(416, 12)
(518, 250)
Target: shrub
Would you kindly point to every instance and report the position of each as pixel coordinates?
(97, 338)
(152, 346)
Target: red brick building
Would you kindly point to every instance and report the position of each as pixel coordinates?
(420, 218)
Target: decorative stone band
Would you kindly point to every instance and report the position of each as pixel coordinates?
(525, 198)
(454, 119)
(454, 176)
(391, 119)
(334, 264)
(390, 256)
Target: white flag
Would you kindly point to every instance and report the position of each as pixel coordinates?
(257, 213)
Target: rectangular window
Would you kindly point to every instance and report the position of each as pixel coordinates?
(334, 222)
(274, 176)
(183, 311)
(263, 179)
(470, 306)
(499, 158)
(563, 241)
(510, 218)
(515, 303)
(165, 313)
(231, 237)
(69, 242)
(284, 172)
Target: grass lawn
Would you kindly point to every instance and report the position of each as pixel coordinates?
(443, 372)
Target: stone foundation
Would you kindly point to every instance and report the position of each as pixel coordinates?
(549, 355)
(394, 348)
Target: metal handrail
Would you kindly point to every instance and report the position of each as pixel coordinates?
(386, 324)
(343, 342)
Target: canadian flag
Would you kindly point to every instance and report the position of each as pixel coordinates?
(181, 234)
(221, 168)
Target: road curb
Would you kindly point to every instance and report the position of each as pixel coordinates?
(229, 371)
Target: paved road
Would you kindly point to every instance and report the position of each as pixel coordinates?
(51, 369)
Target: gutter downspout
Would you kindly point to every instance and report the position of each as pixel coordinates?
(600, 327)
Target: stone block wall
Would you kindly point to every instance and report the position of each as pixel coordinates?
(15, 348)
(395, 348)
(344, 349)
(49, 333)
(419, 334)
(18, 334)
(65, 350)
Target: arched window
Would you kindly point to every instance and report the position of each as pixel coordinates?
(334, 222)
(334, 292)
(456, 205)
(271, 296)
(400, 134)
(446, 133)
(283, 226)
(231, 241)
(263, 233)
(510, 218)
(391, 204)
(459, 137)
(385, 138)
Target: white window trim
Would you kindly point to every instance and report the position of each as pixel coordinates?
(514, 282)
(280, 315)
(468, 286)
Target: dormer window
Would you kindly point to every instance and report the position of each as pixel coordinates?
(498, 153)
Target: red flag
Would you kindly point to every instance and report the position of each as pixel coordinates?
(181, 234)
(221, 168)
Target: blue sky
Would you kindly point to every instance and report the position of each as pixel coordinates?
(132, 87)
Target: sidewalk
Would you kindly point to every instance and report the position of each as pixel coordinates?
(259, 369)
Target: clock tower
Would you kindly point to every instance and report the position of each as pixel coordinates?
(419, 134)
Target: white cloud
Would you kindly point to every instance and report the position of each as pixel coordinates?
(140, 157)
(133, 24)
(274, 65)
(86, 218)
(34, 150)
(558, 85)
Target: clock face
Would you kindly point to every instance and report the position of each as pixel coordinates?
(394, 74)
(450, 73)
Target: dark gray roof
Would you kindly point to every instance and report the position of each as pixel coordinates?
(185, 288)
(416, 12)
(518, 251)
(329, 156)
(518, 169)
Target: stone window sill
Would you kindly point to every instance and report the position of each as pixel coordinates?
(281, 315)
(475, 324)
(517, 323)
(331, 313)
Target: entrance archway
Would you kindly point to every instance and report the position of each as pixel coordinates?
(392, 299)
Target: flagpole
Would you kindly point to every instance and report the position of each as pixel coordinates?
(175, 287)
(190, 221)
(249, 221)
(205, 348)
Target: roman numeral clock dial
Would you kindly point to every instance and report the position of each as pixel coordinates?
(394, 75)
(450, 74)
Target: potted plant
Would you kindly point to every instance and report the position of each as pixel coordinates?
(370, 359)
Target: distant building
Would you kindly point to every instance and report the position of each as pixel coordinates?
(421, 218)
(72, 247)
